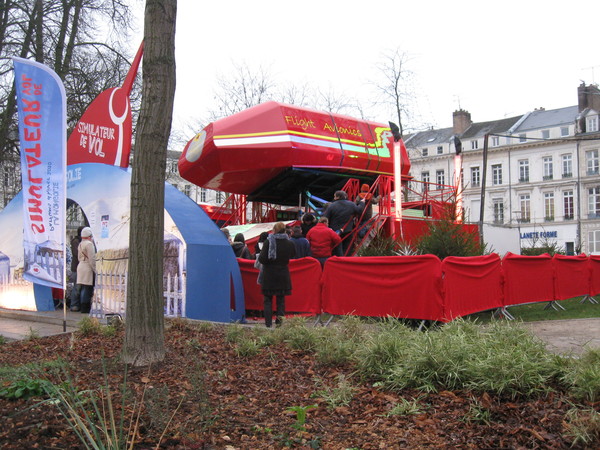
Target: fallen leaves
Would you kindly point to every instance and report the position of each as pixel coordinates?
(244, 403)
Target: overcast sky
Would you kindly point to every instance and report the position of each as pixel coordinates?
(494, 59)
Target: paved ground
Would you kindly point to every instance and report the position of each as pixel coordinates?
(561, 336)
(15, 325)
(567, 336)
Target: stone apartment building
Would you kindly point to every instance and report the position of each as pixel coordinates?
(541, 181)
(198, 194)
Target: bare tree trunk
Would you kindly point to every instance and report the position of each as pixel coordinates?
(144, 332)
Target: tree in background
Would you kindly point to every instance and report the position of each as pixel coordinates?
(244, 87)
(82, 40)
(144, 329)
(396, 87)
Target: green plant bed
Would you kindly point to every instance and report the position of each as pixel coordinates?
(533, 312)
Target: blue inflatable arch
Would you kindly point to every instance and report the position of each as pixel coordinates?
(214, 290)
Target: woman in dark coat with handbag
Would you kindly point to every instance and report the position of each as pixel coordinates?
(275, 257)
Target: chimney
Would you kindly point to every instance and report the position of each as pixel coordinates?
(461, 120)
(588, 97)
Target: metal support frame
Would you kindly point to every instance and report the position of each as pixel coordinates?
(502, 313)
(553, 304)
(588, 298)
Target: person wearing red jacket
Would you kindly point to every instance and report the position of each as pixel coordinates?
(322, 240)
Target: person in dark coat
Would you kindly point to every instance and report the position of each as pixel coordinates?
(276, 281)
(301, 243)
(240, 248)
(341, 214)
(308, 221)
(262, 237)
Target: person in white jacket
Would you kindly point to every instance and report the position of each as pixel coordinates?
(86, 270)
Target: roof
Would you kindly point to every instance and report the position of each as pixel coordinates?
(541, 118)
(480, 129)
(429, 137)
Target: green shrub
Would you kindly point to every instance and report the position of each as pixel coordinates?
(23, 388)
(90, 326)
(380, 245)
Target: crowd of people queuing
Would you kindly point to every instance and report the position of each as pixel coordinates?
(321, 238)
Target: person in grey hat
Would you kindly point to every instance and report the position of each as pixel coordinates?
(86, 270)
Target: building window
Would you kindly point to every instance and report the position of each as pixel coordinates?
(495, 141)
(545, 134)
(474, 144)
(567, 166)
(219, 197)
(594, 202)
(568, 205)
(496, 174)
(425, 180)
(549, 206)
(424, 152)
(594, 241)
(564, 131)
(498, 211)
(475, 176)
(440, 150)
(591, 157)
(203, 194)
(525, 204)
(522, 138)
(524, 171)
(439, 179)
(591, 124)
(548, 168)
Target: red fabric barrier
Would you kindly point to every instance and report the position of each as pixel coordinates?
(380, 286)
(527, 279)
(594, 262)
(471, 284)
(571, 276)
(306, 286)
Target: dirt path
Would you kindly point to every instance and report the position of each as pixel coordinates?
(567, 336)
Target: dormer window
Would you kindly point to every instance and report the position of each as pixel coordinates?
(591, 123)
(424, 152)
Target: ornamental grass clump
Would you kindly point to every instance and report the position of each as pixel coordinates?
(582, 376)
(298, 335)
(502, 358)
(511, 361)
(383, 348)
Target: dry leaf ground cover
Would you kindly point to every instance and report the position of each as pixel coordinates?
(347, 386)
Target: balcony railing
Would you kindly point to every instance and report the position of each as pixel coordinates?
(549, 219)
(548, 177)
(524, 180)
(568, 217)
(592, 172)
(567, 175)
